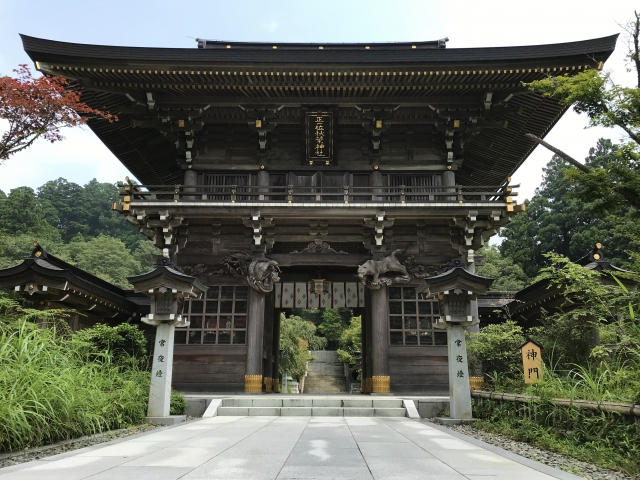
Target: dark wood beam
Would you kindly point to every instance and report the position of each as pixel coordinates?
(408, 101)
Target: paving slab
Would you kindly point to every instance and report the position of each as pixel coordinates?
(324, 472)
(288, 447)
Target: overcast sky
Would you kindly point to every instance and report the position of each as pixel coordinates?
(160, 23)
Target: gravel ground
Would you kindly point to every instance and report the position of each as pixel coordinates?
(576, 467)
(22, 456)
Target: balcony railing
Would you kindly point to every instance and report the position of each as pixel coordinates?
(296, 195)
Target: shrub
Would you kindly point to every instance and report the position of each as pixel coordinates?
(296, 335)
(55, 388)
(122, 342)
(604, 438)
(178, 403)
(496, 349)
(351, 342)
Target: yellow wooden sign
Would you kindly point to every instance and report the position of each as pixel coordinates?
(531, 362)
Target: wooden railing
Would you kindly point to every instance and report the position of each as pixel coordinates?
(346, 194)
(623, 408)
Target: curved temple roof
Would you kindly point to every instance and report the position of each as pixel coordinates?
(312, 53)
(427, 84)
(59, 282)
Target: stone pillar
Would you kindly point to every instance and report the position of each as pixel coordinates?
(376, 180)
(167, 288)
(160, 391)
(190, 180)
(380, 341)
(455, 290)
(263, 181)
(459, 398)
(255, 329)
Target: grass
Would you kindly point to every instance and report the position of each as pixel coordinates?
(55, 387)
(604, 439)
(616, 380)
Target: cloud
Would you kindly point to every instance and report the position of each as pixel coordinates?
(271, 27)
(78, 158)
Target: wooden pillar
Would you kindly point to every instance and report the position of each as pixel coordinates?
(471, 268)
(255, 328)
(364, 321)
(263, 181)
(449, 180)
(190, 179)
(380, 341)
(276, 351)
(376, 180)
(267, 347)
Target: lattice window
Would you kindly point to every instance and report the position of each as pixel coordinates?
(219, 318)
(221, 185)
(411, 319)
(412, 184)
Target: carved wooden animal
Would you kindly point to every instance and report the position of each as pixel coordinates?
(375, 268)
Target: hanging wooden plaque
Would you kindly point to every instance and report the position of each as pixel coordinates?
(319, 132)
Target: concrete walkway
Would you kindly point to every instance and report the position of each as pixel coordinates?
(289, 448)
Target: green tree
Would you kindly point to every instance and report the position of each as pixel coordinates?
(69, 200)
(351, 342)
(87, 210)
(105, 257)
(22, 212)
(496, 348)
(593, 300)
(305, 331)
(558, 220)
(509, 277)
(142, 253)
(609, 104)
(331, 327)
(296, 336)
(103, 220)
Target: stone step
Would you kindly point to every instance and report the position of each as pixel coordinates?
(328, 411)
(376, 403)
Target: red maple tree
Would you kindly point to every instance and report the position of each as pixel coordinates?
(39, 107)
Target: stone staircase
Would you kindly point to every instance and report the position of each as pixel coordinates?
(314, 407)
(325, 374)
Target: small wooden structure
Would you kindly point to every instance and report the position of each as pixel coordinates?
(50, 282)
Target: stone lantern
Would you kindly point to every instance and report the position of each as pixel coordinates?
(167, 288)
(454, 290)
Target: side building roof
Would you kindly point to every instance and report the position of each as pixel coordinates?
(54, 281)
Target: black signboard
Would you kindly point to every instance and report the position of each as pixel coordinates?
(319, 129)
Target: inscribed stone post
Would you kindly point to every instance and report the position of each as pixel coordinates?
(456, 291)
(459, 392)
(160, 391)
